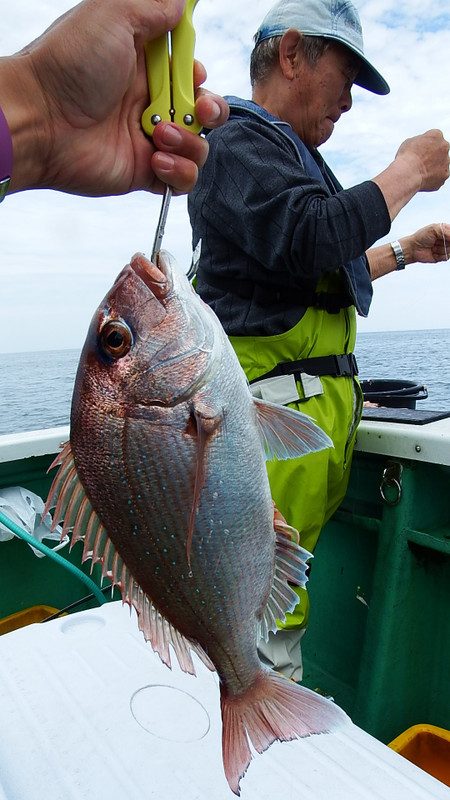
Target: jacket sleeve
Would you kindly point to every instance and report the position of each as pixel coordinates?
(255, 192)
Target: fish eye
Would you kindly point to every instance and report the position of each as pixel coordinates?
(116, 338)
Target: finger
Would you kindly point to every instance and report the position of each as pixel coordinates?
(178, 172)
(170, 138)
(199, 74)
(211, 109)
(151, 19)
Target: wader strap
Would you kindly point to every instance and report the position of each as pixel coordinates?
(343, 366)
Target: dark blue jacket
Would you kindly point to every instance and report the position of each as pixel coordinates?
(274, 222)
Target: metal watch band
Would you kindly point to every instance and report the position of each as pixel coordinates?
(6, 156)
(399, 255)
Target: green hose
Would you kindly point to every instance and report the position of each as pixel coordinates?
(63, 562)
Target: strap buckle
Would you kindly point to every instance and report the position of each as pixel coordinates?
(346, 366)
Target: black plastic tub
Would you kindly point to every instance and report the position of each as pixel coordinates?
(394, 393)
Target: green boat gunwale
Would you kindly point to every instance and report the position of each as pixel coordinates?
(378, 638)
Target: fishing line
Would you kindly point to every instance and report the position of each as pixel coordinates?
(75, 604)
(443, 237)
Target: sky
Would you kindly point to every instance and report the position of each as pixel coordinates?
(60, 254)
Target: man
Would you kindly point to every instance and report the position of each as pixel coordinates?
(286, 255)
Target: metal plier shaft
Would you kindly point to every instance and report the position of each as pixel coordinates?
(170, 67)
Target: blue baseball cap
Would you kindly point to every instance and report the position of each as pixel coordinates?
(332, 19)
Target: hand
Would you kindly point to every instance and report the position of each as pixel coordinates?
(74, 99)
(420, 165)
(427, 245)
(428, 155)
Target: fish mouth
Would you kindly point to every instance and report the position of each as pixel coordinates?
(152, 276)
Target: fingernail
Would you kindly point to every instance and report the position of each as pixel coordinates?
(171, 136)
(165, 162)
(215, 111)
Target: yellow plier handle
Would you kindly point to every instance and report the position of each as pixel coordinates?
(170, 76)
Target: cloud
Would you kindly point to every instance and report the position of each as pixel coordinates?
(61, 253)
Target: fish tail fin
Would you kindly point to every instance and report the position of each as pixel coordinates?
(273, 708)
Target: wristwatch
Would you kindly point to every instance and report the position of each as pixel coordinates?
(399, 255)
(6, 156)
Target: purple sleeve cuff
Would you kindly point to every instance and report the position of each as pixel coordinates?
(6, 155)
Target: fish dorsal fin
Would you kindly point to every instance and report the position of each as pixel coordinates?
(207, 423)
(290, 567)
(81, 522)
(287, 433)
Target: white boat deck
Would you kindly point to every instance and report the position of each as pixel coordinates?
(89, 712)
(430, 443)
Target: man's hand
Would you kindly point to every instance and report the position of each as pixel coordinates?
(74, 99)
(427, 245)
(428, 157)
(420, 165)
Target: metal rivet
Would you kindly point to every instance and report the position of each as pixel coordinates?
(155, 118)
(188, 119)
(418, 448)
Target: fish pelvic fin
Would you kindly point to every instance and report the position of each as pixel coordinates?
(272, 709)
(291, 564)
(287, 433)
(82, 523)
(207, 422)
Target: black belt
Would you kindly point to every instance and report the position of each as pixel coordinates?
(343, 366)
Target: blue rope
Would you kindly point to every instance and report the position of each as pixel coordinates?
(63, 562)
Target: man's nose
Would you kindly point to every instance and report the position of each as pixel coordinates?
(346, 100)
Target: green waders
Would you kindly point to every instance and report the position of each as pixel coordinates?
(308, 490)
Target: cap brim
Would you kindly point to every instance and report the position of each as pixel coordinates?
(368, 77)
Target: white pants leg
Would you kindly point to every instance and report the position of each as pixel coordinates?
(283, 652)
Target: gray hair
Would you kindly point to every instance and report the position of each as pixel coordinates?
(264, 56)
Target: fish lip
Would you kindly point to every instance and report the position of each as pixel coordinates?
(151, 275)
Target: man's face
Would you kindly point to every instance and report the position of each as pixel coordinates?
(321, 93)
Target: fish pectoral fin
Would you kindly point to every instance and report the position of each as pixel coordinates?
(291, 564)
(206, 423)
(74, 510)
(287, 433)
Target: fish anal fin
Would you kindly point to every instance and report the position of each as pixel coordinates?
(74, 510)
(271, 709)
(203, 424)
(287, 433)
(291, 564)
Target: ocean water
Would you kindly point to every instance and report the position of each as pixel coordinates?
(36, 388)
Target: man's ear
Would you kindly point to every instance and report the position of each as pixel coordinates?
(289, 53)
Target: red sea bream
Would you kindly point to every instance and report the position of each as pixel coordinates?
(164, 478)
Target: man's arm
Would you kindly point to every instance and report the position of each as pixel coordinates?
(254, 193)
(428, 245)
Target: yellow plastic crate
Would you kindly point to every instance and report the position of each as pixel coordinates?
(25, 617)
(428, 747)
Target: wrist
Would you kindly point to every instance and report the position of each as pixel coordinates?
(399, 183)
(24, 110)
(399, 255)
